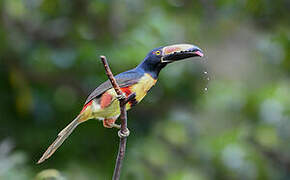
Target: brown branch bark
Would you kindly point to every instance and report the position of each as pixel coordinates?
(124, 132)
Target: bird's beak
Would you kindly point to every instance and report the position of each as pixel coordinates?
(180, 51)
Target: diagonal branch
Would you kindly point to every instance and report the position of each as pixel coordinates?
(124, 132)
(111, 76)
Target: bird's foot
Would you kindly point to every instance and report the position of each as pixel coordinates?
(116, 126)
(122, 96)
(110, 123)
(124, 134)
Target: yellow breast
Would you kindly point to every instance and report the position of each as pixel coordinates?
(143, 86)
(113, 110)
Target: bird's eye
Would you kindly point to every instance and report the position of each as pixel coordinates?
(157, 53)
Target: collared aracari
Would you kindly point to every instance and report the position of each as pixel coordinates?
(103, 104)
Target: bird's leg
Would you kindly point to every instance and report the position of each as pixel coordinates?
(122, 96)
(116, 126)
(110, 123)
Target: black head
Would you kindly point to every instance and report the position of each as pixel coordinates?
(158, 58)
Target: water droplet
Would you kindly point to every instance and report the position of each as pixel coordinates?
(206, 75)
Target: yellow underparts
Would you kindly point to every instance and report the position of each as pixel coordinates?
(113, 110)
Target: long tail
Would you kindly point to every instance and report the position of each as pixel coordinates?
(60, 138)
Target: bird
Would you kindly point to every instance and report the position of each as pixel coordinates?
(103, 104)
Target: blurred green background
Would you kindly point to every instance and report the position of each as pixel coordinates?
(238, 129)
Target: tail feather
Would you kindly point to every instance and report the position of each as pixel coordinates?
(60, 139)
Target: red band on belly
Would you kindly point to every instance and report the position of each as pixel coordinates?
(88, 104)
(126, 90)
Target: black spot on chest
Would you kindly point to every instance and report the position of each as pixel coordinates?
(133, 102)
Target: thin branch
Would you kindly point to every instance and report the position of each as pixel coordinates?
(111, 76)
(124, 132)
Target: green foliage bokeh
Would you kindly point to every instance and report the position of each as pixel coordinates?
(238, 129)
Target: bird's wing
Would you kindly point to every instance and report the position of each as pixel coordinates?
(124, 79)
